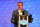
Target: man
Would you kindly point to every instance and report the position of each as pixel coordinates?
(18, 12)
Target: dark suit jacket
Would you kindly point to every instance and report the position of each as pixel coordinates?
(17, 13)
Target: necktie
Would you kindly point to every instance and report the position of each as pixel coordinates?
(20, 13)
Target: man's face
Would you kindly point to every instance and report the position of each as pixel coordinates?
(20, 6)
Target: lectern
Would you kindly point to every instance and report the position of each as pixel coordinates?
(23, 20)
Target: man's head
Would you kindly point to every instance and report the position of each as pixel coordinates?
(20, 5)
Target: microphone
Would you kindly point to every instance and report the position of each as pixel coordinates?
(30, 15)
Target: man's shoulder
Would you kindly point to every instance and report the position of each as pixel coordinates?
(14, 10)
(25, 10)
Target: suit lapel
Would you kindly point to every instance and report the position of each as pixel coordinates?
(17, 12)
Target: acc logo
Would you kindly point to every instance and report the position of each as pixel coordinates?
(23, 22)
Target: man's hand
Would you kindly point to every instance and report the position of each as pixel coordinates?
(13, 20)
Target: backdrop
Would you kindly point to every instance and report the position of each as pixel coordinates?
(7, 7)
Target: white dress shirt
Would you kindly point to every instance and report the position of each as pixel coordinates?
(20, 13)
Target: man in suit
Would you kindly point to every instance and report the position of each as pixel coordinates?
(18, 12)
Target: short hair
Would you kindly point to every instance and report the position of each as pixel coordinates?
(20, 2)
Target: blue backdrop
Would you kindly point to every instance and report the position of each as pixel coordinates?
(7, 7)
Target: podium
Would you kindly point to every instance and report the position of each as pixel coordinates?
(23, 20)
